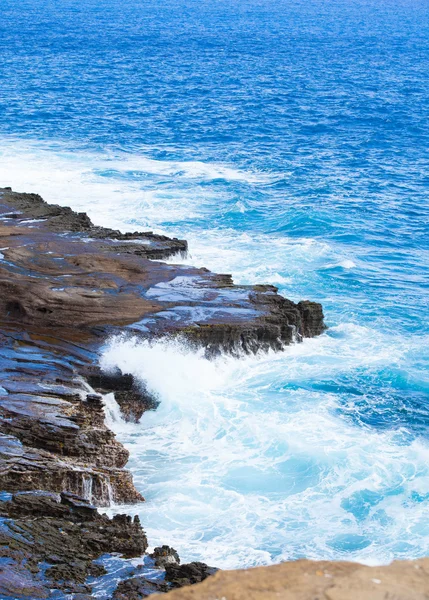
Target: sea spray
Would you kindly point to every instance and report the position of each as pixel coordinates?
(260, 459)
(112, 411)
(294, 156)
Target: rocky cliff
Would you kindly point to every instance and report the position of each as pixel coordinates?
(65, 285)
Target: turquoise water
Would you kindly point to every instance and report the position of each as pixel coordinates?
(288, 142)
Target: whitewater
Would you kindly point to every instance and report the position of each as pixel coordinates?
(287, 142)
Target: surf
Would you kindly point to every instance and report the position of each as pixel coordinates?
(256, 460)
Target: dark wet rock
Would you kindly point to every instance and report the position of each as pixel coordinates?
(113, 381)
(17, 581)
(34, 504)
(65, 286)
(311, 318)
(96, 570)
(65, 533)
(137, 588)
(132, 397)
(134, 404)
(165, 555)
(188, 574)
(68, 574)
(95, 401)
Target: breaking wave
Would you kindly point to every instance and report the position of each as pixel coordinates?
(278, 456)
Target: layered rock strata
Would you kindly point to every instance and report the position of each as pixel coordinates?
(65, 286)
(58, 271)
(49, 542)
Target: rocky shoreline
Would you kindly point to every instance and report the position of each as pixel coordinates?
(66, 286)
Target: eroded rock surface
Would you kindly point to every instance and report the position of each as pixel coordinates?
(137, 588)
(165, 555)
(188, 574)
(312, 580)
(132, 397)
(65, 286)
(49, 541)
(52, 431)
(31, 207)
(57, 281)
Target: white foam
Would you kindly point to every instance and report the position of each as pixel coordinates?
(287, 262)
(188, 169)
(344, 264)
(244, 462)
(131, 192)
(114, 188)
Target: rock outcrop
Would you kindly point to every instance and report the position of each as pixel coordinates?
(52, 431)
(183, 575)
(137, 588)
(165, 555)
(62, 219)
(65, 286)
(312, 580)
(49, 541)
(85, 279)
(132, 397)
(176, 576)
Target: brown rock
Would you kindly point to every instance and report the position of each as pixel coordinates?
(64, 532)
(311, 580)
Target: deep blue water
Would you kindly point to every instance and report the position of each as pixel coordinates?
(288, 141)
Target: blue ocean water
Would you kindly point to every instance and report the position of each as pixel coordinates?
(288, 142)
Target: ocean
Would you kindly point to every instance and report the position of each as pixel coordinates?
(287, 141)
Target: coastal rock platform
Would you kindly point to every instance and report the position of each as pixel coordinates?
(66, 285)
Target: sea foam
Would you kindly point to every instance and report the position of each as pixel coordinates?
(255, 460)
(315, 452)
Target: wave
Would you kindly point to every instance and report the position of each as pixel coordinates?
(250, 461)
(129, 192)
(84, 180)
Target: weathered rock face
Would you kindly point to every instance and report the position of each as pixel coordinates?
(164, 555)
(49, 541)
(183, 575)
(132, 398)
(86, 279)
(311, 580)
(62, 219)
(137, 588)
(65, 285)
(52, 432)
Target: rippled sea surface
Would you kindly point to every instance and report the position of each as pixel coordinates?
(288, 142)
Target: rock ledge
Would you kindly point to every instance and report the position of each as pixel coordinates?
(65, 286)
